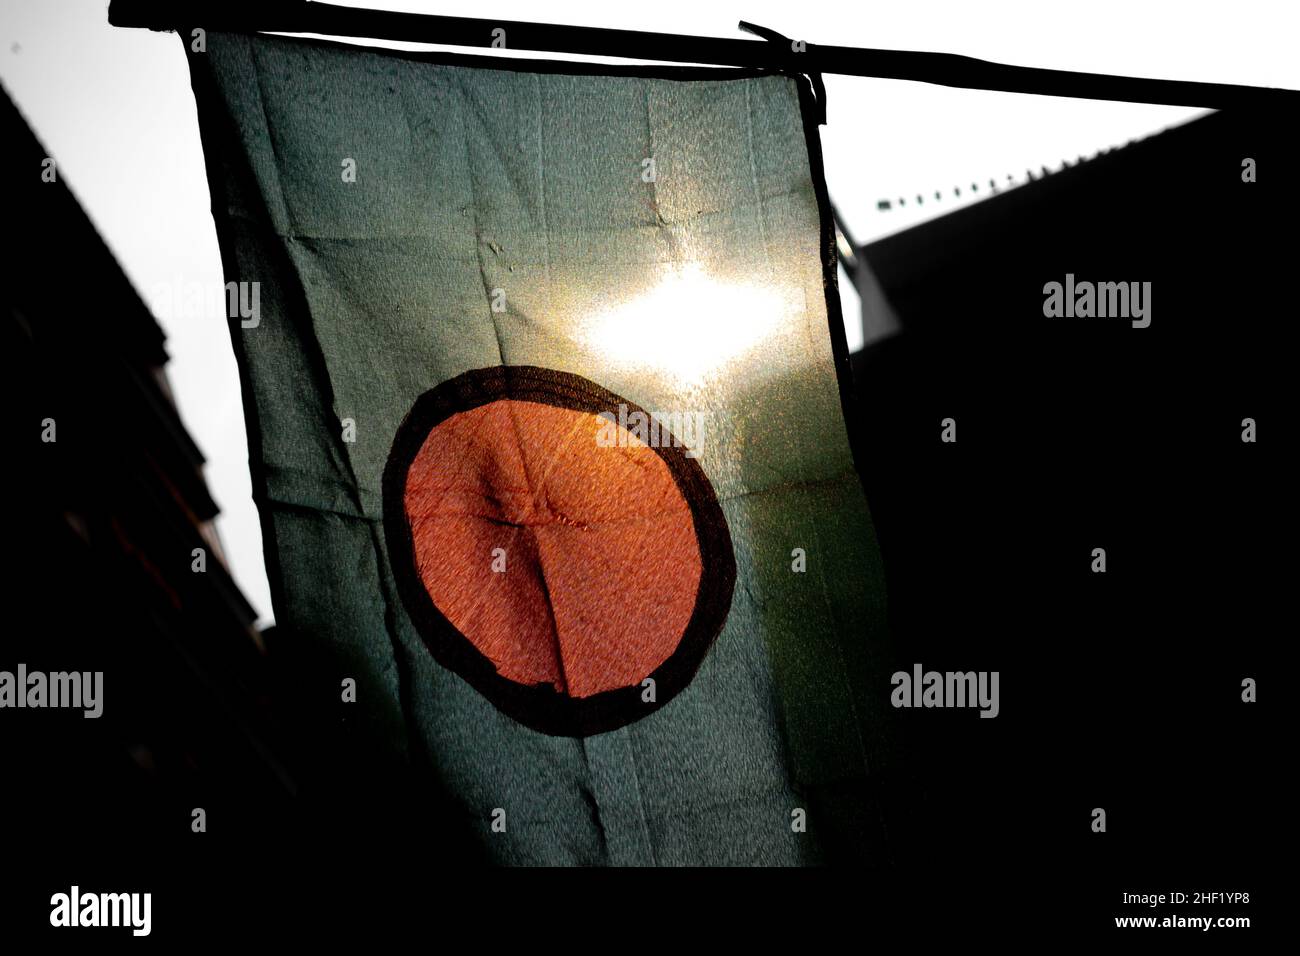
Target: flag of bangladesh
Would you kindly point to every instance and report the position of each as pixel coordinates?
(547, 432)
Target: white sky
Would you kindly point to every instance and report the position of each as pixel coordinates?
(114, 108)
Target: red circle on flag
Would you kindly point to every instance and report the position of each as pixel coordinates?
(552, 557)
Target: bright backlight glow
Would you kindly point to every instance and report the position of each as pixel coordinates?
(690, 324)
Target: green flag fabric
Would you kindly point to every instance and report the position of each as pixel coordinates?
(549, 442)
